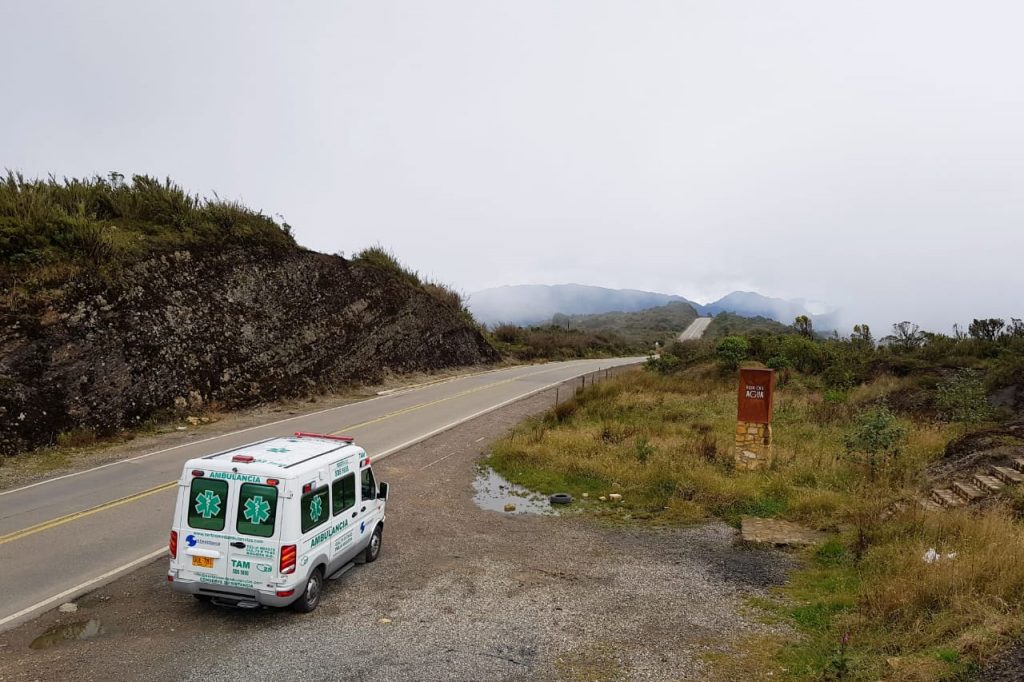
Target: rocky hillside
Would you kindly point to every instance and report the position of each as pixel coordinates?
(103, 346)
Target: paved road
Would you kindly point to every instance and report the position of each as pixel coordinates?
(67, 535)
(696, 329)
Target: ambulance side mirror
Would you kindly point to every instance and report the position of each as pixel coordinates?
(382, 491)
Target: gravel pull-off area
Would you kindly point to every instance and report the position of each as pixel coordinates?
(459, 593)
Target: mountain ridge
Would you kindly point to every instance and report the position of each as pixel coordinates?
(538, 303)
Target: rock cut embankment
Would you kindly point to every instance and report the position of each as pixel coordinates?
(236, 327)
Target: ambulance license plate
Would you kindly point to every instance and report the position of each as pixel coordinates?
(202, 561)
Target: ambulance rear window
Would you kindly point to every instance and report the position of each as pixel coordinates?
(207, 504)
(257, 510)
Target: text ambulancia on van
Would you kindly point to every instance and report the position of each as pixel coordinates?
(267, 523)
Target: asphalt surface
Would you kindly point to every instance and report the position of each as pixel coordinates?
(459, 593)
(696, 329)
(67, 535)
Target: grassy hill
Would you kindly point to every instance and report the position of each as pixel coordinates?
(729, 324)
(641, 328)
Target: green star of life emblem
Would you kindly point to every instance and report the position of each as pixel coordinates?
(316, 507)
(277, 450)
(257, 510)
(208, 504)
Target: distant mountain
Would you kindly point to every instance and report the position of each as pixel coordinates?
(536, 303)
(751, 304)
(527, 304)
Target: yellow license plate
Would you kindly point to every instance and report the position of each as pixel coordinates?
(202, 561)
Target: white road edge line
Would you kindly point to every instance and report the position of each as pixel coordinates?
(13, 619)
(245, 430)
(77, 590)
(484, 411)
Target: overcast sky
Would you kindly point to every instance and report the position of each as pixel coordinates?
(867, 154)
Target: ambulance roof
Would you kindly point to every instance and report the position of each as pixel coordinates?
(283, 453)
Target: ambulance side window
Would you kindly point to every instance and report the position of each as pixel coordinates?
(207, 504)
(369, 488)
(257, 510)
(315, 507)
(344, 492)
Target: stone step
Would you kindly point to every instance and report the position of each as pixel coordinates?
(1018, 463)
(1008, 475)
(989, 483)
(928, 505)
(946, 497)
(967, 492)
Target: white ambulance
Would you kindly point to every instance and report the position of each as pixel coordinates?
(268, 523)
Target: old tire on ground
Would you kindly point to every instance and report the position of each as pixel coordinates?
(560, 498)
(373, 549)
(311, 594)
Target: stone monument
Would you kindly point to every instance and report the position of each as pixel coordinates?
(754, 419)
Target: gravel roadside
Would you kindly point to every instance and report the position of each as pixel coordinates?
(459, 593)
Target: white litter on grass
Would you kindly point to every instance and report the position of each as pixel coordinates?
(931, 556)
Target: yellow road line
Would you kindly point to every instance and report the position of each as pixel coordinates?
(413, 408)
(46, 525)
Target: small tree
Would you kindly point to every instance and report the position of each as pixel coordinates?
(987, 329)
(804, 326)
(876, 435)
(906, 336)
(862, 335)
(731, 351)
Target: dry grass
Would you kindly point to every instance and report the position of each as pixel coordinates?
(665, 444)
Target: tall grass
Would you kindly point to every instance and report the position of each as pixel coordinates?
(382, 258)
(665, 444)
(98, 219)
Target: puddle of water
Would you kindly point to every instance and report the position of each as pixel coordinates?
(494, 491)
(86, 629)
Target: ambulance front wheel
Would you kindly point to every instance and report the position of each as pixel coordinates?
(373, 549)
(311, 595)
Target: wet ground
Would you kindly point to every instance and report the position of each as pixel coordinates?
(459, 593)
(494, 492)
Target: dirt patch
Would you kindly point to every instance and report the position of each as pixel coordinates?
(458, 593)
(777, 532)
(1008, 667)
(975, 451)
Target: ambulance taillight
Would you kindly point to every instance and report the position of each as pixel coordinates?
(172, 544)
(288, 555)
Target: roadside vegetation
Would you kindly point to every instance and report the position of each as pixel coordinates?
(551, 342)
(642, 328)
(859, 429)
(383, 259)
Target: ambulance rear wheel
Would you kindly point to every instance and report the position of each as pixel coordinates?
(311, 595)
(373, 549)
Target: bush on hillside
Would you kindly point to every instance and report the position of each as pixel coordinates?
(731, 351)
(101, 219)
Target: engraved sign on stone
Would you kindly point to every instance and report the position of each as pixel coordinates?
(755, 395)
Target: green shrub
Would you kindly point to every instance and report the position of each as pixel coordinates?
(963, 399)
(876, 435)
(663, 364)
(731, 351)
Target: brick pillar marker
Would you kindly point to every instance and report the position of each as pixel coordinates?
(754, 420)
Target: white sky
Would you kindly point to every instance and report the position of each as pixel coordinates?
(869, 154)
